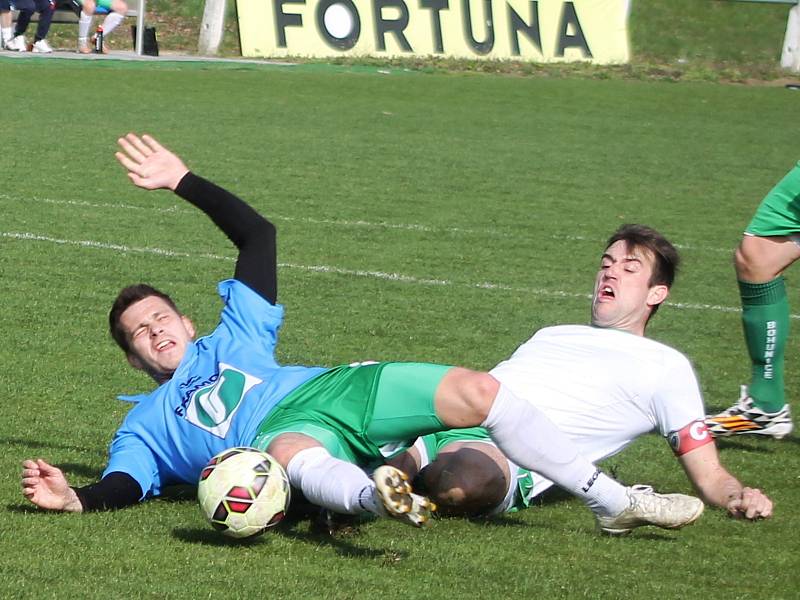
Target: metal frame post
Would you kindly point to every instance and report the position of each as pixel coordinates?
(140, 28)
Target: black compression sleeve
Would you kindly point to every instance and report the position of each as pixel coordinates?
(115, 490)
(252, 234)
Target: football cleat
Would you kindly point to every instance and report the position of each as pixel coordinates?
(744, 417)
(394, 494)
(668, 511)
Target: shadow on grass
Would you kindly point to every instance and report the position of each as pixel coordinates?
(178, 493)
(652, 535)
(340, 546)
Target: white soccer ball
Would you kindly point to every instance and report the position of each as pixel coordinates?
(243, 492)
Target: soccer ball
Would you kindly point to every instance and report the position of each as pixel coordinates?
(243, 492)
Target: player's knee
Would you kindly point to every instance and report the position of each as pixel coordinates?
(759, 260)
(285, 446)
(477, 390)
(743, 263)
(119, 6)
(751, 267)
(89, 6)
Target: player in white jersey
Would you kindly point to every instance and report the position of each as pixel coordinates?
(603, 385)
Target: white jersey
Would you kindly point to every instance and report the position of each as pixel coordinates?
(603, 387)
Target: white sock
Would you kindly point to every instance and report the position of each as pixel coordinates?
(7, 33)
(84, 23)
(332, 483)
(526, 436)
(111, 21)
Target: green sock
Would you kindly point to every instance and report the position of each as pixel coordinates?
(765, 317)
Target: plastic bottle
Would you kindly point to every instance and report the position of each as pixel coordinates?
(98, 40)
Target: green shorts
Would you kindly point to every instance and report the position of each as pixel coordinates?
(779, 212)
(105, 4)
(518, 498)
(361, 413)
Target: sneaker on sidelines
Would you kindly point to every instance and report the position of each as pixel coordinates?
(668, 511)
(17, 44)
(41, 47)
(744, 417)
(83, 46)
(398, 501)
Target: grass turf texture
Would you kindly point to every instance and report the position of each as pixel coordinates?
(422, 216)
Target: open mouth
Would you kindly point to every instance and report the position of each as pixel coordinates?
(164, 345)
(605, 292)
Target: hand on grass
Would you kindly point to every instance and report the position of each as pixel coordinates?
(751, 504)
(46, 486)
(149, 164)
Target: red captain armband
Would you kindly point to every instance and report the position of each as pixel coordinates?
(694, 435)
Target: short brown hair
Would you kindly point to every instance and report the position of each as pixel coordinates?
(667, 259)
(126, 297)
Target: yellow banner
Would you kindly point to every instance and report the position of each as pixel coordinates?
(543, 31)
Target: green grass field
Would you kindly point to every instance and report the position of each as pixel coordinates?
(434, 217)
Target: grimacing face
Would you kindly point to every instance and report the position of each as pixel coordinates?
(623, 297)
(158, 336)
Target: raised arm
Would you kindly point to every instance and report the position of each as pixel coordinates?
(151, 166)
(718, 487)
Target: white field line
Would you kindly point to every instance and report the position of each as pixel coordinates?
(409, 279)
(176, 209)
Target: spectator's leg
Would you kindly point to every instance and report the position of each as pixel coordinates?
(23, 20)
(111, 21)
(84, 25)
(46, 9)
(6, 29)
(118, 9)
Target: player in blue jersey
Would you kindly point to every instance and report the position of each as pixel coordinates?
(226, 389)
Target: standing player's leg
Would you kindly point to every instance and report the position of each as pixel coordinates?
(770, 245)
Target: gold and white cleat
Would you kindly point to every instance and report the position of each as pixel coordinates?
(398, 500)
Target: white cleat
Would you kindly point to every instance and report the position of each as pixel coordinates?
(397, 499)
(668, 511)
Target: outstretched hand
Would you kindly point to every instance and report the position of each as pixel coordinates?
(751, 504)
(149, 164)
(46, 486)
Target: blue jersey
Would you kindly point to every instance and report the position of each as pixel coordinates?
(225, 385)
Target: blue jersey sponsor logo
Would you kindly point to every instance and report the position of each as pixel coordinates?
(212, 404)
